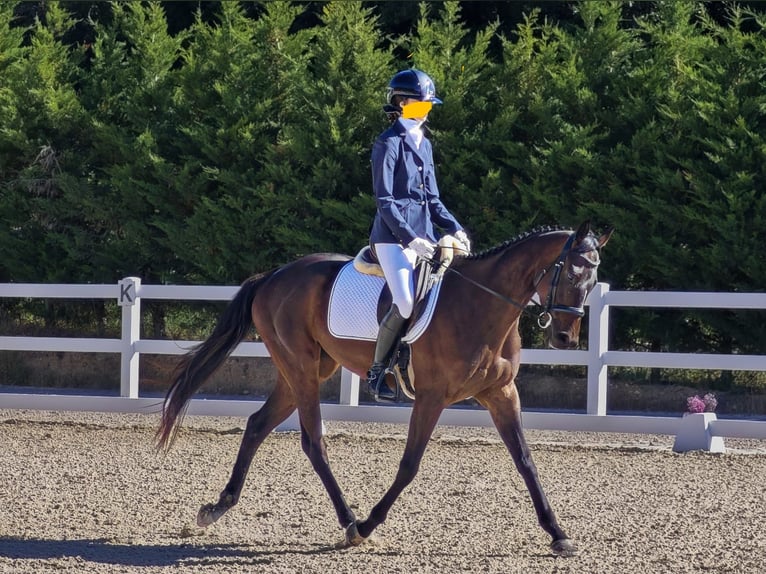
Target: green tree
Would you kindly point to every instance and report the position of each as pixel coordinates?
(459, 62)
(127, 91)
(238, 89)
(204, 149)
(320, 179)
(43, 135)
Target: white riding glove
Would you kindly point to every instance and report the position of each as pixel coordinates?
(422, 248)
(463, 238)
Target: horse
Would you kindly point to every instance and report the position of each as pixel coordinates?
(471, 348)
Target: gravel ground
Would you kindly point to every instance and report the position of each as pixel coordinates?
(86, 492)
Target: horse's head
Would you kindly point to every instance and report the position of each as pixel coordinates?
(566, 285)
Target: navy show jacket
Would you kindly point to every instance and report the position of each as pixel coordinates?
(406, 194)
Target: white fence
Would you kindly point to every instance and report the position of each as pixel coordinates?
(129, 293)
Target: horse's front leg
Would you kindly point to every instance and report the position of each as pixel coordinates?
(504, 407)
(424, 417)
(277, 408)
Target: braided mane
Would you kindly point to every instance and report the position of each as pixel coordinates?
(518, 239)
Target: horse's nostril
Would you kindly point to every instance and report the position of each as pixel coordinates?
(563, 341)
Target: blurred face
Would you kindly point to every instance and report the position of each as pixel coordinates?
(415, 109)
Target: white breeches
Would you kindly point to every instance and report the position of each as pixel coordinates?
(398, 265)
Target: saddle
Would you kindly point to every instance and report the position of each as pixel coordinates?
(427, 275)
(366, 263)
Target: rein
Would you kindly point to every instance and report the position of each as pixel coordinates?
(544, 318)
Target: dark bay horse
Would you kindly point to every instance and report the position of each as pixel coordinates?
(471, 349)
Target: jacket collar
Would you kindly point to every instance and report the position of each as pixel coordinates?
(401, 129)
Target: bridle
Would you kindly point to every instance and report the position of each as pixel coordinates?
(545, 317)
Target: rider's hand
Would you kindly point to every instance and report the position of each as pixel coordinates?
(422, 247)
(463, 238)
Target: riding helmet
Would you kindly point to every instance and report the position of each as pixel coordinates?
(412, 83)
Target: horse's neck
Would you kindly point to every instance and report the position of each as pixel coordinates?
(511, 275)
(520, 267)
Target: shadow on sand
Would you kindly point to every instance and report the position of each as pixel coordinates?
(106, 552)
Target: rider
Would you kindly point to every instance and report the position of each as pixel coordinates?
(408, 206)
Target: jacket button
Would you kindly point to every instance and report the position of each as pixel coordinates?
(420, 168)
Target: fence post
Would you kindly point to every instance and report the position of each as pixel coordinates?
(598, 344)
(349, 388)
(130, 301)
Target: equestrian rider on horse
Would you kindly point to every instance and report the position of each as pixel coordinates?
(408, 208)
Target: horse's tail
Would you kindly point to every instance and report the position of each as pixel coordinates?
(198, 364)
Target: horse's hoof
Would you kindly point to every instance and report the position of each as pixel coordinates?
(207, 515)
(563, 547)
(351, 538)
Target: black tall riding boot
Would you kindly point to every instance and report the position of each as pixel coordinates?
(388, 336)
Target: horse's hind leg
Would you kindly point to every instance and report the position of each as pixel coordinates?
(504, 407)
(315, 448)
(276, 409)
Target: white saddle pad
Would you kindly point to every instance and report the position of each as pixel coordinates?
(353, 307)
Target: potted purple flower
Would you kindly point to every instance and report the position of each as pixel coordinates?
(705, 404)
(695, 430)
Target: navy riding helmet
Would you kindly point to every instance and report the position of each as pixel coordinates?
(412, 83)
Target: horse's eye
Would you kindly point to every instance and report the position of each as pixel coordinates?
(575, 271)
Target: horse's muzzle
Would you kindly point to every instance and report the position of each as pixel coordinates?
(562, 340)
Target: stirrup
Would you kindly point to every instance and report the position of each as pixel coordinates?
(376, 379)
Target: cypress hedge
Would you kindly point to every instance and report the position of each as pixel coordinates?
(203, 154)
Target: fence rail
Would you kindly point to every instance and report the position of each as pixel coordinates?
(129, 294)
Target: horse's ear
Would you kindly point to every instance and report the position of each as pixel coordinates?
(605, 237)
(583, 231)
